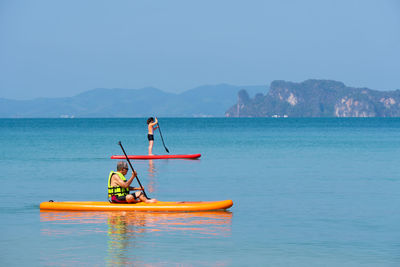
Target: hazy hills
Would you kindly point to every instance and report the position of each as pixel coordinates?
(311, 98)
(204, 101)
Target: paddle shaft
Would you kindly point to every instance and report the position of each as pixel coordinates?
(162, 139)
(137, 178)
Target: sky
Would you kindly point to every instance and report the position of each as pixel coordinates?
(61, 48)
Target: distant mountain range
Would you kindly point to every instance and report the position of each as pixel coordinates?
(311, 98)
(317, 98)
(204, 101)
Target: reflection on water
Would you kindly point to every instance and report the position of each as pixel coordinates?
(125, 230)
(206, 223)
(152, 176)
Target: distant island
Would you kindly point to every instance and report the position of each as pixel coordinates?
(316, 98)
(311, 98)
(203, 101)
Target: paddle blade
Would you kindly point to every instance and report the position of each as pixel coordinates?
(162, 139)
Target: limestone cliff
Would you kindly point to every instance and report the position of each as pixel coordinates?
(317, 98)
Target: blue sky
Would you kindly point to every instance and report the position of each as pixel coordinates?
(61, 48)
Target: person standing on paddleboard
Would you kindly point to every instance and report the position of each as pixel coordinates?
(119, 187)
(151, 126)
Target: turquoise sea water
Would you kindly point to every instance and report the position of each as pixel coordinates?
(306, 192)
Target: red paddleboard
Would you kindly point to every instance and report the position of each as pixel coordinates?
(189, 156)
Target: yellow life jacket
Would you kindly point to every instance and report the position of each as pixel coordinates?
(117, 190)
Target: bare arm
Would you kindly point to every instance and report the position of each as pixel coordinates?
(155, 123)
(152, 124)
(116, 180)
(135, 188)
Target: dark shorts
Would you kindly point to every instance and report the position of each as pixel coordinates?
(122, 199)
(150, 137)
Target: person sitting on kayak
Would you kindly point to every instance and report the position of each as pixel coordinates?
(119, 187)
(150, 125)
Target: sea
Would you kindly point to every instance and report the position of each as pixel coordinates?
(306, 192)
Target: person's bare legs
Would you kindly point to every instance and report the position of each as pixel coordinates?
(151, 147)
(131, 199)
(146, 200)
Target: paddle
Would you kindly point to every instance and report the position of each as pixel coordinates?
(162, 139)
(137, 178)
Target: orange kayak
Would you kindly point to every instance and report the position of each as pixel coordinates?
(158, 206)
